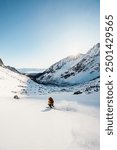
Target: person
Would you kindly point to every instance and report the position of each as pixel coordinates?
(50, 102)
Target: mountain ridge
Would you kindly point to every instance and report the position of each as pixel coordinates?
(63, 76)
(73, 70)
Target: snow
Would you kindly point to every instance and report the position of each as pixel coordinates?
(14, 83)
(24, 125)
(74, 70)
(82, 77)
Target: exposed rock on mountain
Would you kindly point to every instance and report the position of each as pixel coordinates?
(74, 70)
(12, 69)
(1, 62)
(8, 67)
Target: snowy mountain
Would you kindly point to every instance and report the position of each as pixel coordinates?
(26, 123)
(12, 69)
(81, 73)
(74, 70)
(12, 82)
(8, 67)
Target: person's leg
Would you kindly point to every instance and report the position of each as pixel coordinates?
(50, 105)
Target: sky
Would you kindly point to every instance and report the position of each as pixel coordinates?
(38, 33)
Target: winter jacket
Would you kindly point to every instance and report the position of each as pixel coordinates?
(50, 101)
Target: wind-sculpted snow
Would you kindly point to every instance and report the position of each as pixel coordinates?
(74, 70)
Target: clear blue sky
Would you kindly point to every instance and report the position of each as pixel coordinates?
(37, 33)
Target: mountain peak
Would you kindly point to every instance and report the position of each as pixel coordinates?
(98, 45)
(74, 70)
(95, 50)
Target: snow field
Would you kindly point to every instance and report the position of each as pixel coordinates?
(24, 126)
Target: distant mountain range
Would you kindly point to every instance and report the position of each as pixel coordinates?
(30, 70)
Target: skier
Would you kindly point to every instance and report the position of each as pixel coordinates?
(50, 102)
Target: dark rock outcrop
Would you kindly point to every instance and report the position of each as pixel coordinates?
(1, 62)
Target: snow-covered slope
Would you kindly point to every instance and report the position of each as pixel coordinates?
(25, 125)
(74, 70)
(14, 83)
(82, 71)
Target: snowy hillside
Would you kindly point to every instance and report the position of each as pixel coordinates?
(26, 123)
(74, 70)
(14, 83)
(78, 74)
